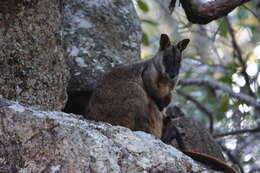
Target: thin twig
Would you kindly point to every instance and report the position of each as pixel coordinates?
(211, 67)
(254, 14)
(232, 158)
(247, 141)
(218, 29)
(202, 108)
(238, 132)
(239, 57)
(217, 85)
(254, 170)
(242, 62)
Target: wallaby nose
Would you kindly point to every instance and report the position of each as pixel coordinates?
(172, 76)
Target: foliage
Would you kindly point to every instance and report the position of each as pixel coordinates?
(213, 55)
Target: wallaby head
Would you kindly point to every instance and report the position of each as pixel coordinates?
(168, 58)
(161, 73)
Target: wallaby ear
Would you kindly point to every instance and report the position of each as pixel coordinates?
(183, 44)
(164, 41)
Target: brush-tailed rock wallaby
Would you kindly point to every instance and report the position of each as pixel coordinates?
(135, 95)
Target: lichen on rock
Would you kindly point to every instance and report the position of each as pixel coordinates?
(60, 142)
(98, 35)
(32, 64)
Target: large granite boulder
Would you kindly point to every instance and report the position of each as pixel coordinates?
(32, 64)
(32, 140)
(98, 35)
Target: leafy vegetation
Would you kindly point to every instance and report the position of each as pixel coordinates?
(226, 51)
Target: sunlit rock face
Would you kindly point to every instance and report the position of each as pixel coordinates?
(58, 142)
(98, 35)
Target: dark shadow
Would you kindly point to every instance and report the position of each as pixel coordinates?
(77, 101)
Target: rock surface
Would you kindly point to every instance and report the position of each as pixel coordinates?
(32, 64)
(98, 35)
(58, 142)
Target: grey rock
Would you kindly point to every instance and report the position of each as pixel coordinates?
(99, 34)
(32, 63)
(58, 142)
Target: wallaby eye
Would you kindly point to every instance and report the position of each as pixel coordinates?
(173, 50)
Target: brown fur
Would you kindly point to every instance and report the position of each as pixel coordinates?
(212, 161)
(134, 95)
(122, 100)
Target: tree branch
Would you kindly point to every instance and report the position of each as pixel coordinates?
(239, 57)
(242, 62)
(254, 170)
(238, 132)
(203, 12)
(202, 108)
(232, 158)
(253, 13)
(216, 85)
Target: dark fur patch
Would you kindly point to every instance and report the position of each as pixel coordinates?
(172, 61)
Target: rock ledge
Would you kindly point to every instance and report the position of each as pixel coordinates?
(60, 142)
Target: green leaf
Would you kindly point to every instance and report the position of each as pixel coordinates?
(145, 39)
(143, 6)
(232, 65)
(150, 22)
(251, 160)
(223, 29)
(258, 92)
(224, 106)
(248, 56)
(242, 13)
(227, 78)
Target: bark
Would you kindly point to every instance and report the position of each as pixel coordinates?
(203, 12)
